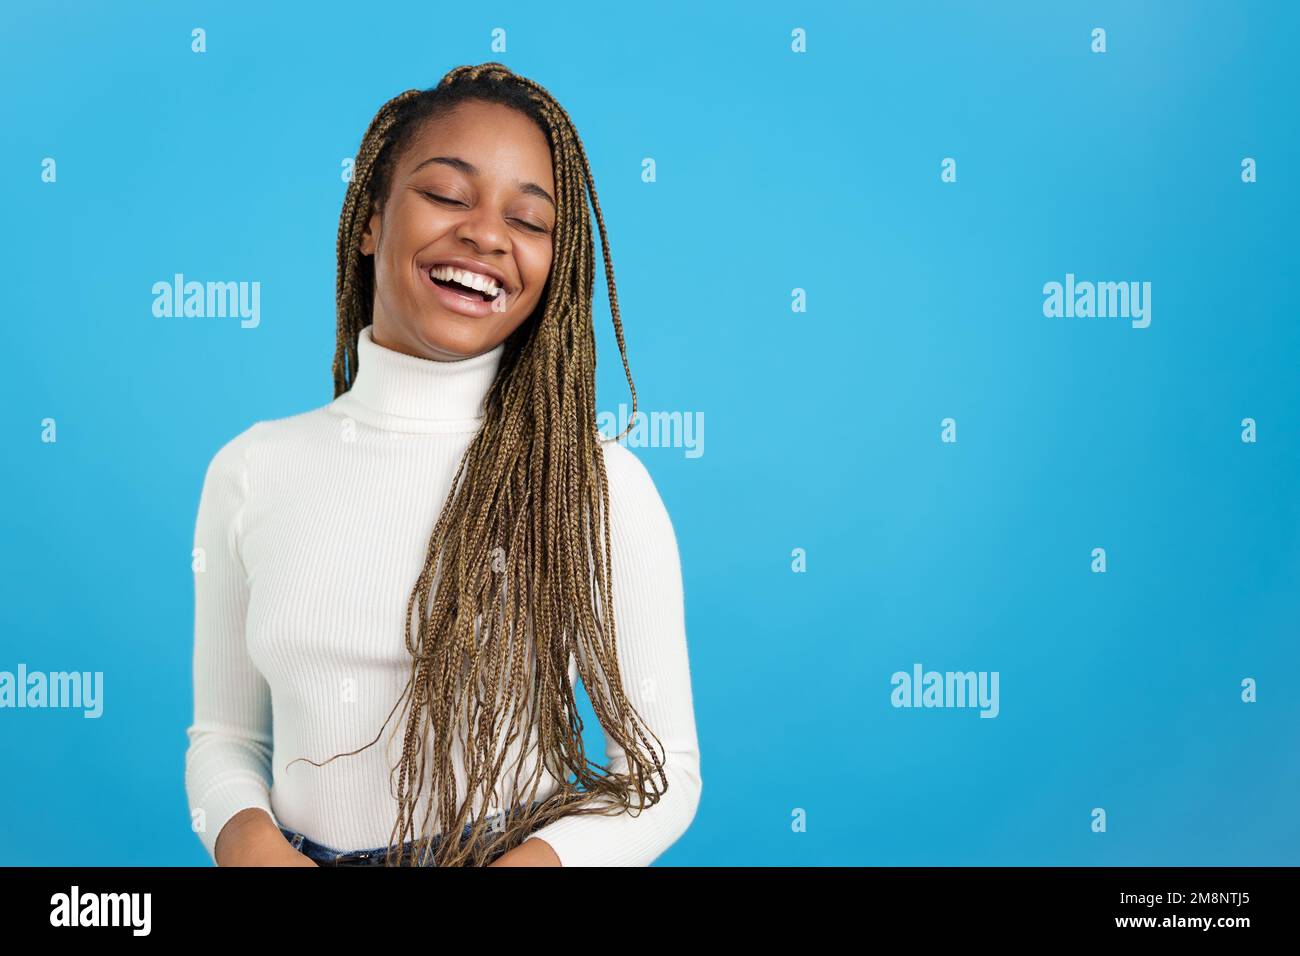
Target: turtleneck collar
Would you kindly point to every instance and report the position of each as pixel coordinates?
(405, 393)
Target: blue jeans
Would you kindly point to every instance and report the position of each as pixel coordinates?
(329, 856)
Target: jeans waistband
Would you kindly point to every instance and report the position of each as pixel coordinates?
(330, 856)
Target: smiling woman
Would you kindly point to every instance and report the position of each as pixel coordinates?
(458, 493)
(472, 193)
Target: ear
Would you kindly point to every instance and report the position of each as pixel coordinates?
(369, 234)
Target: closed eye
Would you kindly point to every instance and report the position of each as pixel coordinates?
(531, 227)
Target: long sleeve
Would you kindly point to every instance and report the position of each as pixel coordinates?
(650, 625)
(228, 762)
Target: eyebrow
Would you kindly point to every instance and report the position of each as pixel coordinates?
(469, 169)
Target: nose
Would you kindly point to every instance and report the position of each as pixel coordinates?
(483, 229)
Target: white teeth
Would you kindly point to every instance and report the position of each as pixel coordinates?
(471, 280)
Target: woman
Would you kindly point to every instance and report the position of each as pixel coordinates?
(460, 453)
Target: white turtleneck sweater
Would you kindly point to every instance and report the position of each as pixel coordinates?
(313, 530)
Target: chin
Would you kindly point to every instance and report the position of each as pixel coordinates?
(458, 336)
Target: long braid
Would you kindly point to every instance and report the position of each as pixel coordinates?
(354, 287)
(515, 579)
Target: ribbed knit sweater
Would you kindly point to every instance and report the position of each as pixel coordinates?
(311, 533)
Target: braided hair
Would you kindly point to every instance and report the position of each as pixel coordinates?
(517, 574)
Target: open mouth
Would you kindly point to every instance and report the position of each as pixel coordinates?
(472, 285)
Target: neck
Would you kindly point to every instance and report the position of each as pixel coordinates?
(400, 392)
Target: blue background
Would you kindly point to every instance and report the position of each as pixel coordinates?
(776, 171)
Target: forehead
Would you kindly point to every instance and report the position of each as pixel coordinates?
(499, 142)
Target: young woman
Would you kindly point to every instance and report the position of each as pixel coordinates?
(456, 491)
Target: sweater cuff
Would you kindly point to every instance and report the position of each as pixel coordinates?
(223, 801)
(599, 840)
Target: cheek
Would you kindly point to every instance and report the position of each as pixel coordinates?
(413, 225)
(535, 265)
(402, 243)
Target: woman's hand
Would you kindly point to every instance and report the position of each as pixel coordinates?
(532, 852)
(251, 838)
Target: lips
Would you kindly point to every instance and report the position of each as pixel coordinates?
(443, 279)
(464, 302)
(469, 265)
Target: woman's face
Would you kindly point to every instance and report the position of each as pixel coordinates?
(474, 191)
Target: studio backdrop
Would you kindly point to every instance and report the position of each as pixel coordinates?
(965, 344)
